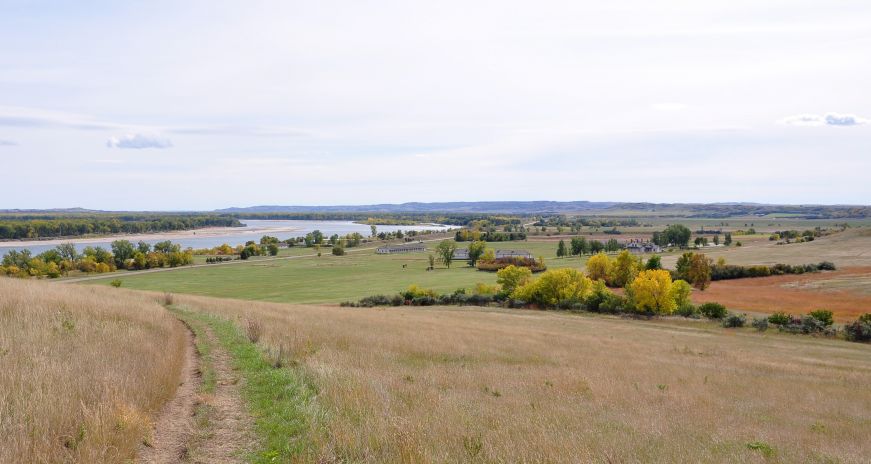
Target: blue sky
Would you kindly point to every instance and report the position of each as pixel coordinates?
(201, 105)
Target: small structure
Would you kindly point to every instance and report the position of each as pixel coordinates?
(461, 254)
(404, 248)
(513, 254)
(640, 247)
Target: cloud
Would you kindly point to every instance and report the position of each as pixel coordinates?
(138, 141)
(7, 143)
(828, 119)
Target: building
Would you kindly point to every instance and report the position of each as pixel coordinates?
(461, 254)
(513, 254)
(404, 248)
(643, 247)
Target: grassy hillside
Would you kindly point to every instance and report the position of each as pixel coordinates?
(84, 369)
(473, 385)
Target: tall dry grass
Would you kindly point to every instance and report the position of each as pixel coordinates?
(82, 371)
(472, 385)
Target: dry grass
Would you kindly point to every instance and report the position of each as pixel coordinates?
(844, 292)
(83, 371)
(472, 385)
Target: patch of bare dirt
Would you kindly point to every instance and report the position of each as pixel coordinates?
(229, 432)
(174, 427)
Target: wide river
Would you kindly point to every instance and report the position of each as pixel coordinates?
(209, 238)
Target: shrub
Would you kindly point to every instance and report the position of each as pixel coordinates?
(688, 310)
(613, 304)
(168, 299)
(425, 300)
(859, 330)
(826, 266)
(713, 310)
(779, 318)
(760, 324)
(555, 287)
(823, 316)
(115, 283)
(734, 320)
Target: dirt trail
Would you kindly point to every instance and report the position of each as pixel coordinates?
(203, 428)
(229, 432)
(174, 427)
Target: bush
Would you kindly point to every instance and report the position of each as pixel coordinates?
(826, 266)
(859, 330)
(613, 304)
(823, 316)
(688, 310)
(734, 320)
(115, 283)
(423, 301)
(760, 324)
(779, 318)
(713, 310)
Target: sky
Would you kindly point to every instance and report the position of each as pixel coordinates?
(197, 105)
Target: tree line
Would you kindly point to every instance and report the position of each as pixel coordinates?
(17, 227)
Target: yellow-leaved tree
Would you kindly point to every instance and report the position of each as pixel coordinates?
(511, 277)
(599, 266)
(554, 287)
(651, 292)
(625, 268)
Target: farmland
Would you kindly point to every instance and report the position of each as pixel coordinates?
(492, 385)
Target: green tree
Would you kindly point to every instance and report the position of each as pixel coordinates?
(476, 250)
(728, 239)
(445, 251)
(374, 229)
(678, 234)
(578, 245)
(68, 251)
(561, 249)
(122, 250)
(654, 263)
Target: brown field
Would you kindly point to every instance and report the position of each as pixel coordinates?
(83, 371)
(845, 292)
(477, 385)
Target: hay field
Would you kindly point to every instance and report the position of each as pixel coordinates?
(83, 371)
(477, 385)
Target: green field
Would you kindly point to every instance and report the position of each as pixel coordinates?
(311, 279)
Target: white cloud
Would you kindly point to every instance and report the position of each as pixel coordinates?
(7, 143)
(139, 141)
(828, 119)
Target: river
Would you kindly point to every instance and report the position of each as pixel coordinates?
(208, 238)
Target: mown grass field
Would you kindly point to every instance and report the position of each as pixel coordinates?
(83, 371)
(327, 279)
(486, 385)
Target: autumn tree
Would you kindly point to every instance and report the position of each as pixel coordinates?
(695, 268)
(599, 266)
(511, 277)
(625, 268)
(556, 286)
(680, 291)
(651, 292)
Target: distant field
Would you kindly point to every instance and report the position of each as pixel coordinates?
(845, 292)
(477, 385)
(327, 278)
